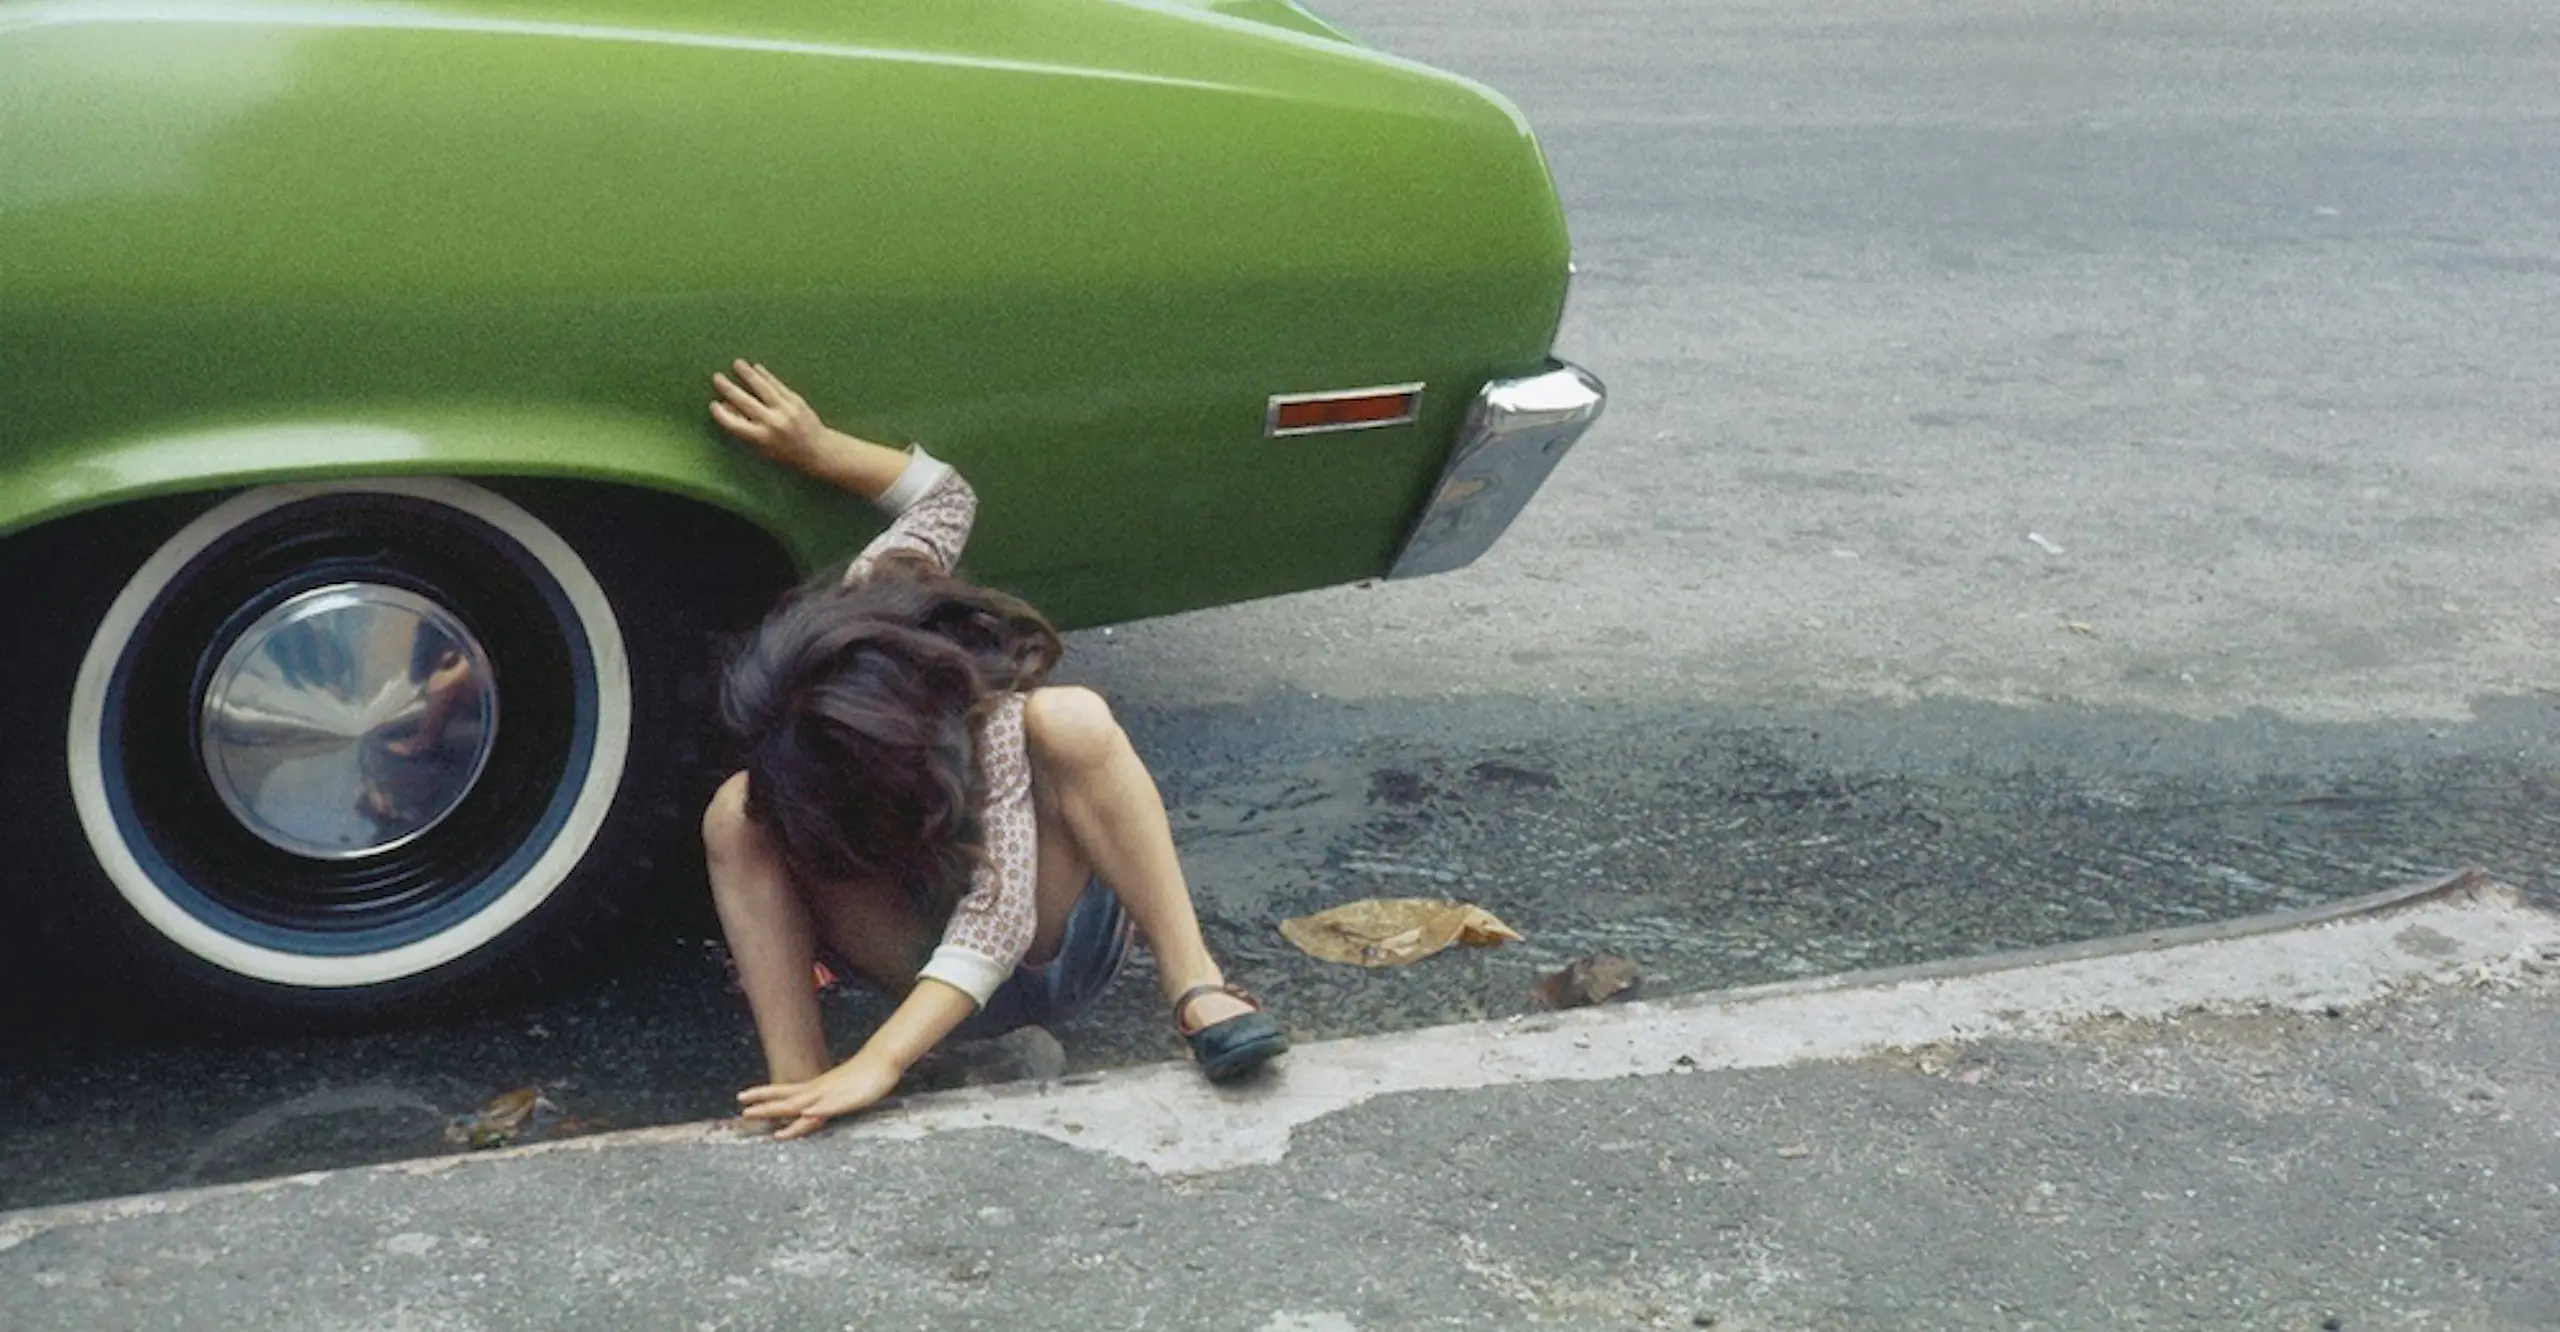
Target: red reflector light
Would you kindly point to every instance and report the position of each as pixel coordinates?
(1351, 409)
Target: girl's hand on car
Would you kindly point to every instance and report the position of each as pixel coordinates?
(770, 418)
(805, 1107)
(780, 424)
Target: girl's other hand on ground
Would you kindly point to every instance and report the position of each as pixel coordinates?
(763, 411)
(805, 1107)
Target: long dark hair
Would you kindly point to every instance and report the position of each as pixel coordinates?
(853, 708)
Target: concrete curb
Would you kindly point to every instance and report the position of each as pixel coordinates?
(1167, 1120)
(2466, 927)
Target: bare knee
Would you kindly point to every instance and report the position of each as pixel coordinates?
(1072, 727)
(728, 835)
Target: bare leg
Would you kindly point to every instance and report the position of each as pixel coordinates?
(1064, 872)
(770, 935)
(1102, 792)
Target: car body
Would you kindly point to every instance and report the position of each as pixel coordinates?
(333, 332)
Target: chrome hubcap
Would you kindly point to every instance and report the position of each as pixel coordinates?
(348, 720)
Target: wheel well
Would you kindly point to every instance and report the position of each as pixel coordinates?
(723, 565)
(721, 562)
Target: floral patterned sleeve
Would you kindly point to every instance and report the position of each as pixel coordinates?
(931, 509)
(992, 928)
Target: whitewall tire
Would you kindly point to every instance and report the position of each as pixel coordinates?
(179, 846)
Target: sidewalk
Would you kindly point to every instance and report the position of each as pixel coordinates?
(2345, 1119)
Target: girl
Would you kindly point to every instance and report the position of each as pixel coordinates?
(914, 799)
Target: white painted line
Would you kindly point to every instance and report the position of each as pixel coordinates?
(1168, 1120)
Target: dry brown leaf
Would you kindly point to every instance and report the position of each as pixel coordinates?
(511, 1109)
(1391, 931)
(497, 1123)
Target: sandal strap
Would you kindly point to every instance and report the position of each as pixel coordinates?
(1228, 988)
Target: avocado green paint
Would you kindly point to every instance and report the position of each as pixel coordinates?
(1072, 245)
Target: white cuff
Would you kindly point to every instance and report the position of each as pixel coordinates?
(924, 472)
(967, 970)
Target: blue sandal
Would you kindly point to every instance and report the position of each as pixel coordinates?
(1230, 1049)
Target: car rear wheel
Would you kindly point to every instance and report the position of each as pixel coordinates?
(342, 749)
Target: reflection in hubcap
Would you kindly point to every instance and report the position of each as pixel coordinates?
(348, 720)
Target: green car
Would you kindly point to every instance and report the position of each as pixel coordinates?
(365, 534)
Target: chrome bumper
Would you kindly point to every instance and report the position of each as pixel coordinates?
(1516, 431)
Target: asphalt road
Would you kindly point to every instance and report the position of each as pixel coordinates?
(2070, 468)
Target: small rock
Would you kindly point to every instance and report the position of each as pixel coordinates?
(1795, 1151)
(1593, 979)
(1023, 1054)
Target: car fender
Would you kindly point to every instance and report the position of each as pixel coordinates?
(812, 524)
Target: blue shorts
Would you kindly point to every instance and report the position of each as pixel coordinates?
(1094, 948)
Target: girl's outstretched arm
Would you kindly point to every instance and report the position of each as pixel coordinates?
(932, 506)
